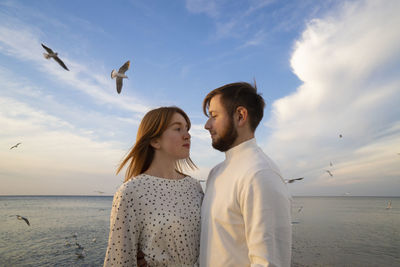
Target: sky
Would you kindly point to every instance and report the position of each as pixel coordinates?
(325, 69)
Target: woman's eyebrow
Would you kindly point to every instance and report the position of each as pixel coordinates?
(178, 123)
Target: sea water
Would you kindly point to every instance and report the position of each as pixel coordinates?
(327, 231)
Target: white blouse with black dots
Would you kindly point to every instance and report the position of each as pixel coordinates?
(160, 217)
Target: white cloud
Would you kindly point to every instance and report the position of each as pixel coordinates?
(52, 150)
(209, 7)
(345, 61)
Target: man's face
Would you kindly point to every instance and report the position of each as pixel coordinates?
(220, 125)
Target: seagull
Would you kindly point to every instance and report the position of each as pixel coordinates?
(15, 146)
(120, 75)
(51, 54)
(329, 172)
(389, 206)
(330, 163)
(100, 192)
(81, 254)
(340, 136)
(289, 181)
(23, 218)
(301, 207)
(78, 246)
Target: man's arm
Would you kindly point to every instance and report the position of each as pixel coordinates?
(265, 205)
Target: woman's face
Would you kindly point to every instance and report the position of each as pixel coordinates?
(175, 141)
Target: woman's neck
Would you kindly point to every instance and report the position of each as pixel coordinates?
(164, 169)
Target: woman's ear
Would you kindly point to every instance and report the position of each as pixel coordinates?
(241, 115)
(155, 143)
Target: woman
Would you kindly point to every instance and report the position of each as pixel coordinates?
(157, 210)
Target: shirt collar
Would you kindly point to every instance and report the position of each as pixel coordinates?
(239, 148)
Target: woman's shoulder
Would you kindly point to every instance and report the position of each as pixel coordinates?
(131, 185)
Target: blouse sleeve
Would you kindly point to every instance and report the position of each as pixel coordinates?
(123, 238)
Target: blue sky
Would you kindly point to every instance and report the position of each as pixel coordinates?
(324, 68)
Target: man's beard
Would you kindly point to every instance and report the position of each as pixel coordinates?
(226, 140)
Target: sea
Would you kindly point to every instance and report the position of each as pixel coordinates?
(327, 231)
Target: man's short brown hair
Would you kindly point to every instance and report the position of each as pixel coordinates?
(234, 95)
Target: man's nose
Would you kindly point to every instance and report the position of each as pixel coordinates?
(207, 125)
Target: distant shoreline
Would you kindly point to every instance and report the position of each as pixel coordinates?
(112, 196)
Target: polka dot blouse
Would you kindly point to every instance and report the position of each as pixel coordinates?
(160, 217)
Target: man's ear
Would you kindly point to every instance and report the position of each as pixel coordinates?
(155, 143)
(241, 115)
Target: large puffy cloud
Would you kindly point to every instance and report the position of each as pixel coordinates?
(348, 62)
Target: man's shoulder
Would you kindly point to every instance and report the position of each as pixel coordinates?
(257, 160)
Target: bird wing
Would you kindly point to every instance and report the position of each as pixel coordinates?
(295, 179)
(119, 84)
(19, 217)
(47, 49)
(26, 220)
(124, 67)
(61, 63)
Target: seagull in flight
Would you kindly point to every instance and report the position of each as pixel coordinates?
(15, 146)
(289, 181)
(328, 171)
(301, 207)
(120, 75)
(100, 192)
(51, 54)
(23, 218)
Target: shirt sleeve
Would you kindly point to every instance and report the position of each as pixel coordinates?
(265, 205)
(123, 238)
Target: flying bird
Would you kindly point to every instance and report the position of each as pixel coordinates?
(289, 181)
(100, 192)
(301, 207)
(15, 146)
(23, 218)
(340, 136)
(328, 171)
(51, 54)
(120, 75)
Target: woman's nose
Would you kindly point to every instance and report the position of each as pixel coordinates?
(187, 136)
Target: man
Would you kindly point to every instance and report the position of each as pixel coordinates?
(245, 218)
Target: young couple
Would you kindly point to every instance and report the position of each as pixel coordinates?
(159, 216)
